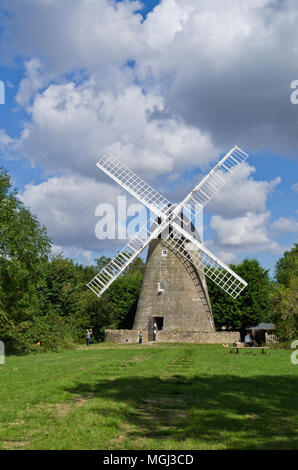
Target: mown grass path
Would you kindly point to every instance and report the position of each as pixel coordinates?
(176, 396)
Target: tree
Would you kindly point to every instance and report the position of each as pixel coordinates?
(137, 265)
(284, 295)
(62, 286)
(287, 266)
(101, 262)
(122, 297)
(24, 248)
(44, 298)
(284, 301)
(251, 306)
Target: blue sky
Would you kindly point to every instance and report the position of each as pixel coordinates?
(167, 91)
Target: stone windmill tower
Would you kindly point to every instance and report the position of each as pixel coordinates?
(174, 293)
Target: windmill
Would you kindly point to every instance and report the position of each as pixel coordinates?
(171, 224)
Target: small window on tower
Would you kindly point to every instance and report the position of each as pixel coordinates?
(161, 286)
(164, 252)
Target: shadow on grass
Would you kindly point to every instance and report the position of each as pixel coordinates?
(224, 411)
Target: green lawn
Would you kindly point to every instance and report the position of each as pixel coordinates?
(176, 396)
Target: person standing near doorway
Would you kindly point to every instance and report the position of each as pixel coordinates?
(154, 330)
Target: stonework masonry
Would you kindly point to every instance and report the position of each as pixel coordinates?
(125, 336)
(205, 337)
(174, 336)
(183, 304)
(181, 310)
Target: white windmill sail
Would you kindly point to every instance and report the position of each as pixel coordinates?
(135, 185)
(204, 260)
(122, 260)
(204, 191)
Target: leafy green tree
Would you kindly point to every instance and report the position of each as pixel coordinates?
(122, 297)
(44, 299)
(117, 306)
(284, 295)
(251, 306)
(284, 301)
(287, 266)
(137, 265)
(63, 282)
(24, 249)
(226, 310)
(101, 262)
(92, 312)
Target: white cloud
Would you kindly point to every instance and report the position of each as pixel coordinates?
(248, 233)
(205, 59)
(212, 71)
(31, 83)
(242, 194)
(72, 126)
(241, 220)
(207, 75)
(85, 256)
(248, 230)
(66, 206)
(5, 140)
(295, 187)
(98, 37)
(73, 207)
(284, 224)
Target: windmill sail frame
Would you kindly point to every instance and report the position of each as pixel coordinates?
(172, 217)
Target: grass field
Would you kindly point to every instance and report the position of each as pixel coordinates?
(176, 396)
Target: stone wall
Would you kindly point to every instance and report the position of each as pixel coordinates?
(124, 336)
(173, 336)
(204, 337)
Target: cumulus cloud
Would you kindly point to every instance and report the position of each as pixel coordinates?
(242, 194)
(230, 66)
(238, 231)
(5, 140)
(241, 221)
(84, 216)
(73, 253)
(66, 206)
(284, 224)
(32, 82)
(98, 37)
(225, 68)
(72, 126)
(248, 233)
(164, 95)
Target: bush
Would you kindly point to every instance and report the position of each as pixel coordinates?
(284, 300)
(42, 333)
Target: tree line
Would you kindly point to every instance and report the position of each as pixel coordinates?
(45, 304)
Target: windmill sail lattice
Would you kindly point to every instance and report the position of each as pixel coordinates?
(135, 185)
(205, 261)
(178, 238)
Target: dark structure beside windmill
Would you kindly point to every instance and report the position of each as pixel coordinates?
(263, 333)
